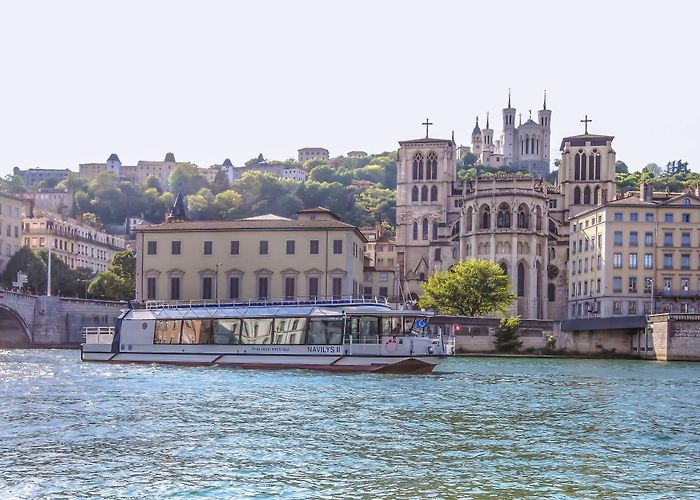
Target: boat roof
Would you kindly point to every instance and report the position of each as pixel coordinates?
(229, 311)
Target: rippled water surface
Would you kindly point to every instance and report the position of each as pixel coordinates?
(480, 427)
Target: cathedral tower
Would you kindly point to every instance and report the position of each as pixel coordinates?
(477, 142)
(587, 171)
(508, 131)
(545, 118)
(487, 134)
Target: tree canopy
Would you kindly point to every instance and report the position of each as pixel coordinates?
(118, 282)
(470, 288)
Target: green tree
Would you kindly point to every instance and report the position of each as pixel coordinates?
(229, 204)
(12, 184)
(220, 183)
(118, 281)
(653, 169)
(621, 167)
(471, 288)
(153, 182)
(379, 203)
(507, 336)
(73, 182)
(469, 159)
(186, 178)
(26, 261)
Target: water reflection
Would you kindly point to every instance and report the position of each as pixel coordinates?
(480, 426)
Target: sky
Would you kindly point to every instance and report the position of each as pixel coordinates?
(210, 80)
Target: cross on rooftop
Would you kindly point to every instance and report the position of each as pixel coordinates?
(427, 124)
(586, 121)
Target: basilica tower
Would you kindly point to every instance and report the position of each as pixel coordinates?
(508, 131)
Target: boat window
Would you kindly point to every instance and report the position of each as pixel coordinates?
(352, 328)
(196, 331)
(325, 331)
(168, 331)
(369, 329)
(290, 330)
(416, 326)
(227, 331)
(391, 326)
(257, 331)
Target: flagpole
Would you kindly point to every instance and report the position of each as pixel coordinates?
(48, 288)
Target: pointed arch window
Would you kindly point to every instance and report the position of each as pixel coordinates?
(577, 195)
(596, 195)
(424, 193)
(577, 167)
(597, 165)
(469, 218)
(503, 216)
(523, 217)
(425, 229)
(521, 280)
(431, 167)
(587, 196)
(418, 167)
(433, 193)
(435, 230)
(415, 230)
(414, 193)
(591, 166)
(486, 218)
(504, 266)
(538, 218)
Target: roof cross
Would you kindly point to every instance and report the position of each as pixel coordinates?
(427, 124)
(586, 121)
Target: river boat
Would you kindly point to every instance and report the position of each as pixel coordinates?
(353, 335)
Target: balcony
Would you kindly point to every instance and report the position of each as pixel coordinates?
(677, 292)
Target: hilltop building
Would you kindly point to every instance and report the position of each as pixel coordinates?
(280, 170)
(306, 154)
(34, 176)
(525, 146)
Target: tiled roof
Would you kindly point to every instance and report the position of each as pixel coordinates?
(265, 224)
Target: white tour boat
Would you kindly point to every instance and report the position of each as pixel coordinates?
(355, 335)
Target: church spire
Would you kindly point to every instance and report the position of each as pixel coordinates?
(544, 105)
(508, 98)
(487, 119)
(177, 212)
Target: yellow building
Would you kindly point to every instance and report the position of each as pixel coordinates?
(314, 256)
(639, 249)
(75, 243)
(13, 209)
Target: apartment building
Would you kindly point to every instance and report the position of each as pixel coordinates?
(13, 209)
(34, 176)
(315, 255)
(636, 255)
(75, 243)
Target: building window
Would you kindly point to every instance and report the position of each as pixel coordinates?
(648, 261)
(617, 238)
(290, 247)
(207, 287)
(263, 247)
(617, 260)
(616, 307)
(668, 239)
(263, 287)
(668, 217)
(175, 288)
(597, 286)
(633, 261)
(618, 216)
(634, 217)
(521, 280)
(414, 193)
(668, 261)
(234, 287)
(433, 193)
(648, 239)
(151, 288)
(668, 283)
(337, 246)
(685, 261)
(235, 247)
(503, 216)
(424, 231)
(685, 284)
(633, 284)
(175, 247)
(633, 238)
(313, 287)
(685, 239)
(208, 247)
(685, 218)
(337, 287)
(152, 247)
(551, 292)
(617, 284)
(290, 285)
(384, 291)
(632, 307)
(649, 217)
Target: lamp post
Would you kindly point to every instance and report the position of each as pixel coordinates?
(48, 287)
(650, 283)
(216, 285)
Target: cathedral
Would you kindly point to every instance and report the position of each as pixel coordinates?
(511, 218)
(522, 148)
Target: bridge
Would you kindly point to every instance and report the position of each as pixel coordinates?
(38, 320)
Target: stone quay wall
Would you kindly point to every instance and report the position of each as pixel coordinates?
(675, 337)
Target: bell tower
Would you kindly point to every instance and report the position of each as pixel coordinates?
(508, 132)
(587, 171)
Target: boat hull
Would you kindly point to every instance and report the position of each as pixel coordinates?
(379, 364)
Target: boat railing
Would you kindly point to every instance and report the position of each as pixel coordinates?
(300, 301)
(98, 334)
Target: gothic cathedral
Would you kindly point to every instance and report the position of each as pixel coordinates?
(512, 218)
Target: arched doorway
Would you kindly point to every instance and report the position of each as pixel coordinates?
(13, 330)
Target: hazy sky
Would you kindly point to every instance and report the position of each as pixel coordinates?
(214, 80)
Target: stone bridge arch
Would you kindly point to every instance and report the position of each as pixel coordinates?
(14, 331)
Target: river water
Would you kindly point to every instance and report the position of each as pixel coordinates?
(478, 427)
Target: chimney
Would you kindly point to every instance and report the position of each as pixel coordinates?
(646, 191)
